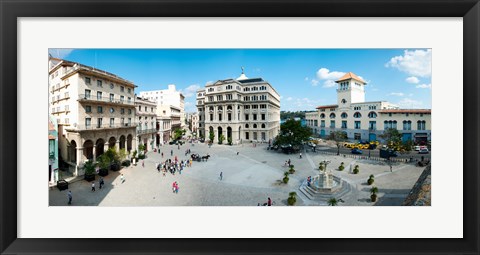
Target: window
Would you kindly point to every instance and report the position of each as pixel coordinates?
(246, 125)
(263, 97)
(332, 115)
(112, 96)
(322, 123)
(111, 85)
(53, 109)
(112, 122)
(220, 108)
(344, 115)
(66, 108)
(254, 106)
(344, 124)
(122, 121)
(357, 108)
(87, 93)
(263, 116)
(332, 124)
(122, 89)
(88, 122)
(122, 98)
(407, 125)
(122, 110)
(357, 115)
(372, 115)
(229, 117)
(210, 99)
(151, 109)
(254, 116)
(99, 95)
(129, 121)
(65, 95)
(247, 107)
(254, 125)
(357, 125)
(67, 121)
(88, 108)
(344, 101)
(87, 80)
(129, 100)
(372, 125)
(129, 111)
(211, 117)
(322, 116)
(246, 116)
(99, 109)
(263, 125)
(229, 108)
(229, 96)
(210, 108)
(263, 106)
(421, 125)
(99, 122)
(211, 89)
(219, 117)
(229, 87)
(247, 135)
(99, 83)
(129, 91)
(219, 98)
(139, 108)
(112, 110)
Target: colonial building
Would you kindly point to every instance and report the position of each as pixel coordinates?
(363, 120)
(94, 109)
(193, 123)
(52, 151)
(166, 98)
(240, 110)
(146, 114)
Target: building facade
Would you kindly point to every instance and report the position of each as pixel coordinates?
(52, 151)
(94, 109)
(240, 110)
(147, 127)
(166, 98)
(193, 123)
(362, 120)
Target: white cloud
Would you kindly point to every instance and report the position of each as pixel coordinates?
(289, 98)
(190, 106)
(190, 90)
(399, 94)
(424, 86)
(314, 82)
(329, 84)
(412, 79)
(306, 78)
(60, 53)
(325, 74)
(415, 62)
(410, 104)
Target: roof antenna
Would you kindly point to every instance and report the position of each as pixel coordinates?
(242, 69)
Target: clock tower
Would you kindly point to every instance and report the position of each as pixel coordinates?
(350, 89)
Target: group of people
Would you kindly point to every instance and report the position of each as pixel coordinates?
(288, 162)
(175, 187)
(268, 203)
(173, 166)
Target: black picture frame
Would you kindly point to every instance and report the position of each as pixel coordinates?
(10, 10)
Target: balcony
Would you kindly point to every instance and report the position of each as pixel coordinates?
(103, 126)
(104, 100)
(146, 131)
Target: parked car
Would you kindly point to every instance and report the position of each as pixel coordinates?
(357, 151)
(416, 148)
(311, 144)
(423, 151)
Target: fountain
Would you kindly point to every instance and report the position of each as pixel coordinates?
(325, 185)
(326, 182)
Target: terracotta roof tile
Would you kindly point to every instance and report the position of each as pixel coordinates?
(426, 111)
(327, 106)
(349, 76)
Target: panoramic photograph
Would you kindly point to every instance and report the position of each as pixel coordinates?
(239, 127)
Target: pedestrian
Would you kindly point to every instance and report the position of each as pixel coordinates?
(269, 202)
(178, 146)
(221, 176)
(101, 183)
(171, 152)
(286, 163)
(69, 197)
(176, 187)
(289, 162)
(93, 186)
(158, 167)
(143, 163)
(122, 178)
(300, 155)
(162, 154)
(158, 150)
(391, 168)
(237, 152)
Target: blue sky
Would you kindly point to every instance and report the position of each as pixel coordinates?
(303, 77)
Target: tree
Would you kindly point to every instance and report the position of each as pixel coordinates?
(373, 192)
(393, 138)
(338, 137)
(292, 198)
(178, 134)
(292, 132)
(221, 139)
(332, 202)
(211, 136)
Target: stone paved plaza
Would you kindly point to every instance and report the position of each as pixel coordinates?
(248, 179)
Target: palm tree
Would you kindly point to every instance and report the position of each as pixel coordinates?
(373, 196)
(292, 198)
(332, 202)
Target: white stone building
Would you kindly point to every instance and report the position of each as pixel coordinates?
(241, 109)
(146, 114)
(94, 109)
(166, 98)
(363, 120)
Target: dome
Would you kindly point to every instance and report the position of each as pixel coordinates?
(242, 76)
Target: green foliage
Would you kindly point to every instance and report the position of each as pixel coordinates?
(292, 169)
(141, 156)
(104, 161)
(89, 167)
(122, 154)
(290, 115)
(371, 176)
(370, 181)
(393, 138)
(229, 140)
(211, 136)
(321, 166)
(338, 137)
(134, 154)
(221, 139)
(373, 197)
(332, 202)
(292, 198)
(285, 179)
(292, 132)
(141, 149)
(341, 167)
(126, 163)
(374, 190)
(356, 170)
(178, 133)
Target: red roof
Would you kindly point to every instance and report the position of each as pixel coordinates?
(327, 106)
(426, 111)
(349, 76)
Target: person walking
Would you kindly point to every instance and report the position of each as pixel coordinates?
(300, 155)
(269, 202)
(221, 176)
(69, 195)
(176, 187)
(122, 178)
(162, 154)
(101, 183)
(289, 162)
(143, 163)
(93, 186)
(171, 152)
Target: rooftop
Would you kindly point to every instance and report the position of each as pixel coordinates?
(327, 106)
(426, 111)
(349, 76)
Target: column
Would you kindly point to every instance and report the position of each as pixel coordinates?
(105, 147)
(79, 159)
(94, 151)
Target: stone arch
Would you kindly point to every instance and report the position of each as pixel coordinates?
(122, 142)
(263, 125)
(72, 152)
(99, 147)
(111, 142)
(229, 133)
(88, 149)
(129, 142)
(220, 131)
